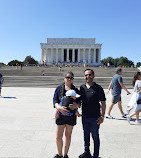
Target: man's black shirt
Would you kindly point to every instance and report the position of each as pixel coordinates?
(90, 100)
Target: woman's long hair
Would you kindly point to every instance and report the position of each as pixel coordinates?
(135, 78)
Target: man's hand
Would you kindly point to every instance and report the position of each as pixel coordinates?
(100, 120)
(73, 106)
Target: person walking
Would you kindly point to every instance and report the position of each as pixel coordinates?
(135, 101)
(93, 111)
(116, 85)
(64, 123)
(1, 82)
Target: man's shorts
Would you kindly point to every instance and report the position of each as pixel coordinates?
(66, 120)
(116, 99)
(0, 85)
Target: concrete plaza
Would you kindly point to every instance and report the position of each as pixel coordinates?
(27, 128)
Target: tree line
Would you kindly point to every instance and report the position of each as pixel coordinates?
(28, 61)
(122, 61)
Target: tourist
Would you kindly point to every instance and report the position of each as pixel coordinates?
(93, 101)
(1, 82)
(21, 66)
(60, 68)
(43, 73)
(116, 85)
(135, 101)
(17, 65)
(64, 123)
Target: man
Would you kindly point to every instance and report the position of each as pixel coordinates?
(1, 82)
(117, 85)
(93, 113)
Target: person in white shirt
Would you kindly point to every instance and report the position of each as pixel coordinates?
(134, 102)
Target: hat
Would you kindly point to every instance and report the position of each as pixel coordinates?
(72, 93)
(118, 69)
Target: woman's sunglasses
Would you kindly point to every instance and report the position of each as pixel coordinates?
(68, 77)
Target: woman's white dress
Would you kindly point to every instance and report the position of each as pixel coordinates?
(136, 95)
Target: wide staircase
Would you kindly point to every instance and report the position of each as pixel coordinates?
(32, 76)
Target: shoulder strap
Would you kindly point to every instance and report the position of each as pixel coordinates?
(61, 91)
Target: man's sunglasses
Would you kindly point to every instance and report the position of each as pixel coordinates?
(88, 75)
(67, 77)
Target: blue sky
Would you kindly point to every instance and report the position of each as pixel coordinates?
(24, 24)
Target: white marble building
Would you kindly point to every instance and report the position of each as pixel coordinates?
(71, 50)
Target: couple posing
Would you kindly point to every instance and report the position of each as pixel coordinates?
(67, 99)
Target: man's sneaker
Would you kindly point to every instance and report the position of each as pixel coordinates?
(138, 121)
(85, 155)
(124, 115)
(109, 117)
(128, 119)
(66, 156)
(57, 156)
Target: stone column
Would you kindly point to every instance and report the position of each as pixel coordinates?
(42, 54)
(62, 56)
(73, 55)
(56, 55)
(99, 57)
(94, 55)
(67, 54)
(78, 54)
(84, 60)
(51, 55)
(89, 56)
(46, 55)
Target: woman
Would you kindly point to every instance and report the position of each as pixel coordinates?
(136, 96)
(64, 123)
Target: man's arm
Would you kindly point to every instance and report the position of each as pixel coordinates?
(110, 85)
(103, 109)
(123, 87)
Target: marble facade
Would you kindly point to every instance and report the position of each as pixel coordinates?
(71, 50)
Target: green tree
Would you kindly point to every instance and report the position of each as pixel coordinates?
(14, 63)
(2, 64)
(30, 61)
(123, 61)
(116, 62)
(105, 61)
(138, 64)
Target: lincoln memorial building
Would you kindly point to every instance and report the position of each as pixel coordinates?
(71, 50)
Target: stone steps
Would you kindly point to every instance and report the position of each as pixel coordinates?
(32, 76)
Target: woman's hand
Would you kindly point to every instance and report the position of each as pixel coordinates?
(63, 110)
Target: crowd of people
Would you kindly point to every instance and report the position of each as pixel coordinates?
(91, 97)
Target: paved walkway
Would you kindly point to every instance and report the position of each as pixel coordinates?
(27, 128)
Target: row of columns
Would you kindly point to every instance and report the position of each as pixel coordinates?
(73, 55)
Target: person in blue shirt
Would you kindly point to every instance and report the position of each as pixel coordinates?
(1, 82)
(116, 85)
